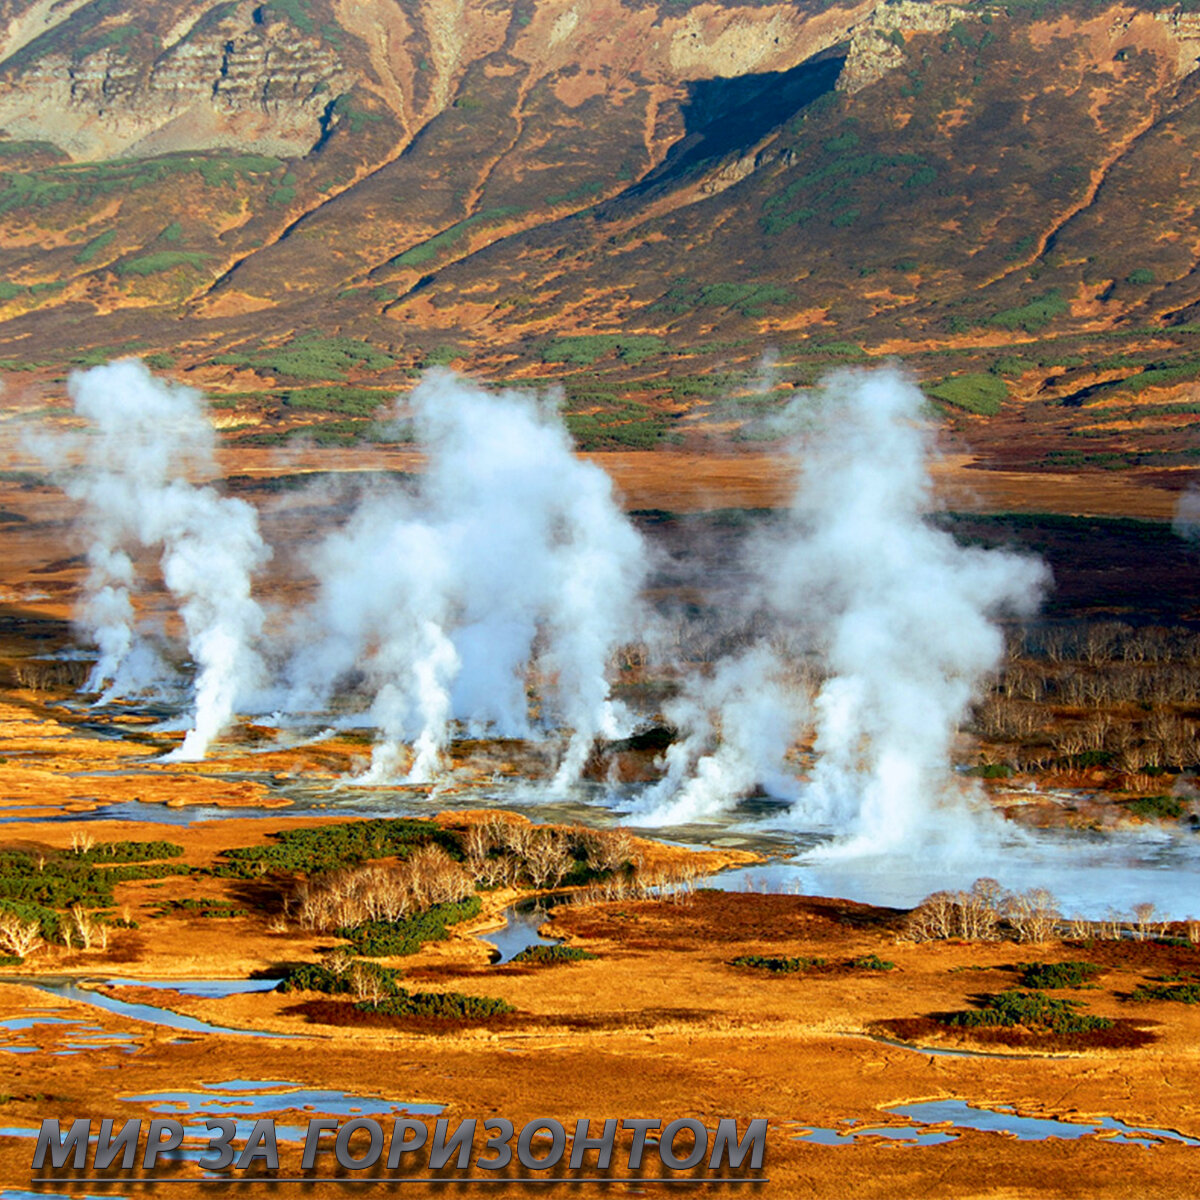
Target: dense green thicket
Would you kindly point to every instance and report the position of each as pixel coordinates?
(391, 939)
(1034, 315)
(631, 427)
(360, 977)
(548, 955)
(973, 392)
(1033, 1010)
(588, 348)
(327, 847)
(159, 261)
(50, 923)
(353, 401)
(129, 852)
(312, 357)
(80, 185)
(316, 977)
(1057, 975)
(449, 1005)
(1181, 993)
(62, 880)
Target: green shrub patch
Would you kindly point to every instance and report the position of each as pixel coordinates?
(548, 955)
(1057, 975)
(316, 977)
(1180, 993)
(391, 939)
(327, 847)
(446, 1005)
(1031, 1010)
(872, 962)
(777, 966)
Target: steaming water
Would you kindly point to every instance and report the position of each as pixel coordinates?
(509, 552)
(1091, 875)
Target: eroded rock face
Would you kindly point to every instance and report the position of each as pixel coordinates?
(231, 79)
(877, 45)
(1184, 31)
(196, 75)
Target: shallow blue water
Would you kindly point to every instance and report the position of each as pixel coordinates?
(69, 989)
(930, 1117)
(1035, 1129)
(212, 988)
(521, 928)
(243, 1098)
(17, 1194)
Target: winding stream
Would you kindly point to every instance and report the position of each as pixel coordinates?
(73, 989)
(934, 1122)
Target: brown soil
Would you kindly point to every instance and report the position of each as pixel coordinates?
(1124, 1034)
(661, 1024)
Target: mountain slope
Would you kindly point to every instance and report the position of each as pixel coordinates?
(486, 181)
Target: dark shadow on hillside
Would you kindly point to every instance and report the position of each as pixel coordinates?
(723, 117)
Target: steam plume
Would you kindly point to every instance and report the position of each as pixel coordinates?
(512, 553)
(739, 724)
(906, 616)
(900, 619)
(146, 439)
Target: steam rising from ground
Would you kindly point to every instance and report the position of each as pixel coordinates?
(906, 616)
(899, 619)
(513, 554)
(736, 724)
(146, 439)
(491, 598)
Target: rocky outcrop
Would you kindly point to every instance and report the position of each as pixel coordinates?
(877, 45)
(1184, 30)
(240, 80)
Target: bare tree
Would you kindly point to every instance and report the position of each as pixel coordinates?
(610, 849)
(934, 918)
(1069, 741)
(1144, 926)
(1095, 730)
(1033, 915)
(477, 846)
(19, 936)
(548, 859)
(367, 984)
(88, 929)
(338, 960)
(1080, 929)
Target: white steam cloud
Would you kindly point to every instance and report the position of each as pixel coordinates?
(146, 438)
(737, 726)
(906, 615)
(491, 598)
(900, 619)
(512, 558)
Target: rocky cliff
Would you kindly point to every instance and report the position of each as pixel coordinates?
(493, 174)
